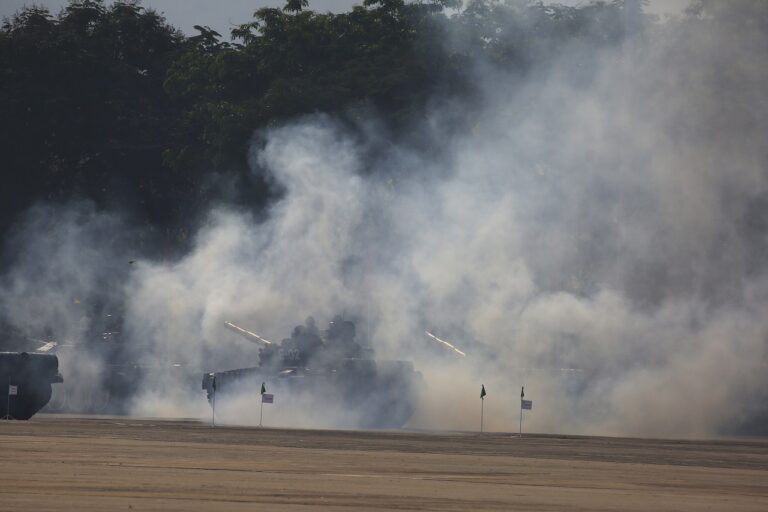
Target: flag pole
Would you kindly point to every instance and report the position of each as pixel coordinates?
(522, 395)
(482, 401)
(8, 410)
(261, 410)
(213, 404)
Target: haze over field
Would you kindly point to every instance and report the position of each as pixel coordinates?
(595, 229)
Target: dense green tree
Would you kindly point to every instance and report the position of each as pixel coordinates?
(386, 55)
(109, 103)
(295, 5)
(84, 110)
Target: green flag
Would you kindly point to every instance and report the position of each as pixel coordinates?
(482, 392)
(263, 388)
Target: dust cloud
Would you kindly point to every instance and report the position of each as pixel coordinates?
(597, 232)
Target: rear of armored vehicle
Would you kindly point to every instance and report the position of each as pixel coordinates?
(26, 379)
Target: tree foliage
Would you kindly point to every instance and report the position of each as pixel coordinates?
(110, 103)
(85, 112)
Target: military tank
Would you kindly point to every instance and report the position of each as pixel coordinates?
(322, 371)
(26, 379)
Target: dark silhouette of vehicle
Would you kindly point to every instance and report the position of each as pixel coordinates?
(26, 379)
(325, 370)
(115, 372)
(106, 374)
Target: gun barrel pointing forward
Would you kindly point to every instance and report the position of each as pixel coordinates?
(445, 343)
(250, 336)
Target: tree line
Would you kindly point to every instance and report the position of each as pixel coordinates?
(110, 103)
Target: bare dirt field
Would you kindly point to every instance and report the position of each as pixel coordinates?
(96, 464)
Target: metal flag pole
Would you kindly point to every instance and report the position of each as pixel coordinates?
(261, 410)
(522, 395)
(482, 401)
(8, 410)
(213, 403)
(12, 391)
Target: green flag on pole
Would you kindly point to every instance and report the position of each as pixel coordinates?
(263, 388)
(482, 391)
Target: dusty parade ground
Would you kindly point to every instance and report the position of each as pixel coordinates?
(95, 464)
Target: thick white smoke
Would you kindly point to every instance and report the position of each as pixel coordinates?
(67, 257)
(597, 235)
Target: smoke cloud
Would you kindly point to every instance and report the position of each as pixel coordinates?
(598, 233)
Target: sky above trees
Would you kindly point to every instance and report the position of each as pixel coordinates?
(222, 16)
(225, 15)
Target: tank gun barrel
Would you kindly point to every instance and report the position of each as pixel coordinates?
(453, 348)
(47, 346)
(250, 336)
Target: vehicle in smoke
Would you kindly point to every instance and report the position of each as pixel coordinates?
(104, 376)
(107, 373)
(320, 371)
(27, 379)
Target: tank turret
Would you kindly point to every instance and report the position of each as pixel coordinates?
(325, 365)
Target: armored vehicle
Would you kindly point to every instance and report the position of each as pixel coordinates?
(26, 379)
(325, 371)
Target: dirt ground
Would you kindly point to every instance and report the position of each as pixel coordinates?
(96, 464)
